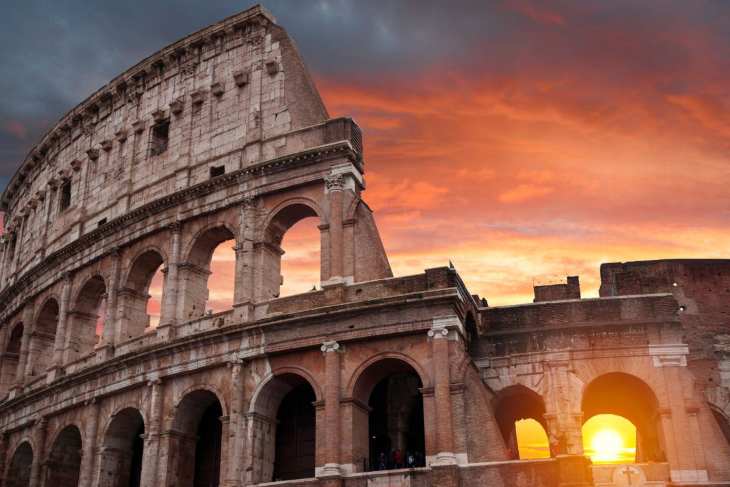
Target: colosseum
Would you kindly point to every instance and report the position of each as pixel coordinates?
(223, 136)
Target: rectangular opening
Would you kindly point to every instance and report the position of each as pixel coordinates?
(159, 137)
(65, 196)
(216, 171)
(102, 222)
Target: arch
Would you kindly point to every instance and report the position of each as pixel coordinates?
(63, 465)
(516, 403)
(195, 273)
(278, 222)
(627, 396)
(257, 398)
(285, 214)
(425, 378)
(388, 425)
(44, 337)
(135, 294)
(87, 318)
(122, 449)
(197, 435)
(285, 420)
(18, 472)
(200, 248)
(11, 359)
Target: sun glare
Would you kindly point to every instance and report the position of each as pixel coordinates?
(608, 438)
(607, 445)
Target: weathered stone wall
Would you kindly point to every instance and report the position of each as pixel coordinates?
(250, 151)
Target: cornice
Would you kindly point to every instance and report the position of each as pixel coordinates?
(117, 225)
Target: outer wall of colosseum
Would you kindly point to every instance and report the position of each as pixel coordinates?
(222, 136)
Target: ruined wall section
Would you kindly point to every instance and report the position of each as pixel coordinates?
(220, 98)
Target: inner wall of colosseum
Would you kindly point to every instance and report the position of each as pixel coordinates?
(368, 380)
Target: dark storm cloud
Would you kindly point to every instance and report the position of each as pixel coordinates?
(55, 53)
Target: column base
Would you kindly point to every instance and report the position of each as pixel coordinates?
(165, 331)
(575, 471)
(53, 373)
(243, 311)
(443, 458)
(104, 352)
(329, 470)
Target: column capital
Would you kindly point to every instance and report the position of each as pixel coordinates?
(330, 346)
(334, 182)
(154, 382)
(248, 202)
(175, 227)
(449, 327)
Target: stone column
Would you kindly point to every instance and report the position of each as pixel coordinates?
(112, 331)
(172, 276)
(244, 285)
(88, 457)
(60, 342)
(334, 186)
(23, 361)
(439, 334)
(332, 425)
(563, 413)
(236, 427)
(150, 458)
(39, 453)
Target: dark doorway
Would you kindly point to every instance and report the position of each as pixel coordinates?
(208, 448)
(121, 458)
(64, 462)
(295, 435)
(18, 474)
(396, 428)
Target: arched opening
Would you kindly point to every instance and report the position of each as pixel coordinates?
(122, 449)
(300, 258)
(87, 319)
(627, 396)
(197, 437)
(154, 303)
(18, 473)
(135, 298)
(44, 336)
(12, 356)
(608, 438)
(64, 461)
(286, 424)
(390, 433)
(298, 222)
(207, 278)
(520, 415)
(221, 281)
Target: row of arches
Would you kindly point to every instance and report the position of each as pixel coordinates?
(206, 284)
(620, 421)
(282, 431)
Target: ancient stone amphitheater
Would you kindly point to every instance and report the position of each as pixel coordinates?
(222, 135)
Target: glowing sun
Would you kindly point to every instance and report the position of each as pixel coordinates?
(607, 446)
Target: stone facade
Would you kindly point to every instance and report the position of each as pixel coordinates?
(222, 136)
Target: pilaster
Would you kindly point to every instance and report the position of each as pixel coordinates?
(151, 457)
(331, 469)
(89, 455)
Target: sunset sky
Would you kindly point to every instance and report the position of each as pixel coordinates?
(523, 140)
